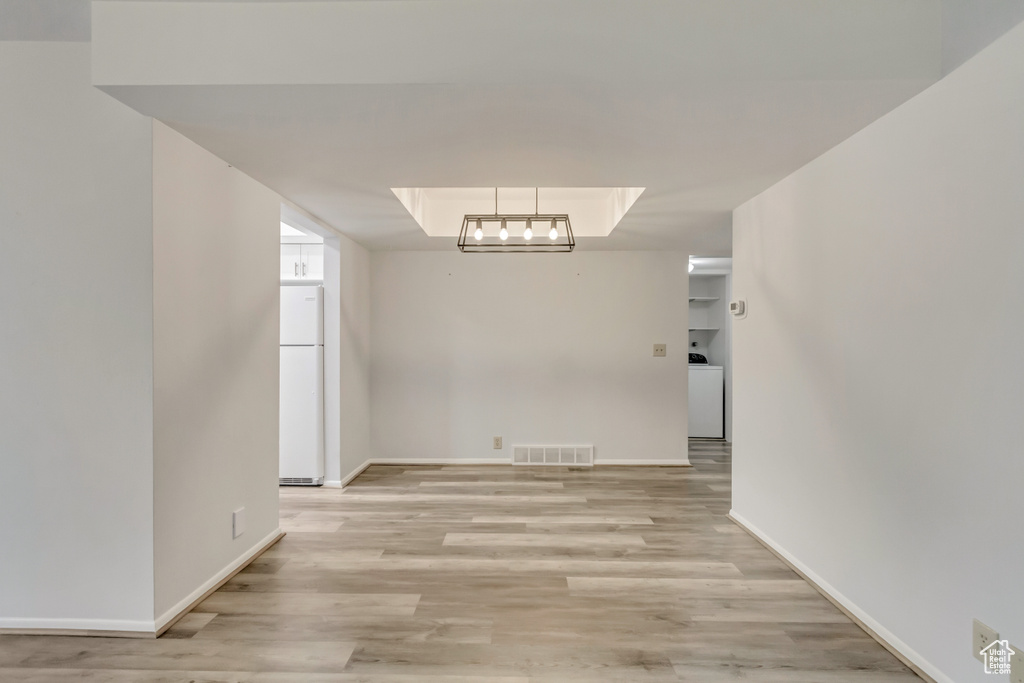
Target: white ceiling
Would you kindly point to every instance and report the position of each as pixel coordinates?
(337, 150)
(703, 102)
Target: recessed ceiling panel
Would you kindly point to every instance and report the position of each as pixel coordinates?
(594, 211)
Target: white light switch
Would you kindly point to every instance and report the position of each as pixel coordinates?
(237, 522)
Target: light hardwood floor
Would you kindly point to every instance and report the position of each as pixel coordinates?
(497, 574)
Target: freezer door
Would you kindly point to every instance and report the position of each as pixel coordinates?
(302, 315)
(302, 412)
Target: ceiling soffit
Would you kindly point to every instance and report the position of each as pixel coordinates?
(704, 103)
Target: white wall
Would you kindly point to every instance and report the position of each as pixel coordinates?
(879, 373)
(216, 352)
(535, 348)
(347, 370)
(332, 361)
(76, 319)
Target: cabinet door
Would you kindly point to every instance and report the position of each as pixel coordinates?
(291, 261)
(312, 262)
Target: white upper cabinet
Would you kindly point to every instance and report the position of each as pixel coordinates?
(312, 266)
(291, 261)
(302, 262)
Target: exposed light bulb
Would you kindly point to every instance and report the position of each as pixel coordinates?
(479, 232)
(503, 233)
(690, 269)
(528, 233)
(553, 234)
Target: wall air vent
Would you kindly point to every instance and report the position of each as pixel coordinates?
(301, 481)
(553, 455)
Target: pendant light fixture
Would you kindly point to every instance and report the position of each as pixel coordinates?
(560, 237)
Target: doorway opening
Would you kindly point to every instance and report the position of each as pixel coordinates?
(709, 411)
(301, 417)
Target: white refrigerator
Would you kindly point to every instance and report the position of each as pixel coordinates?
(302, 385)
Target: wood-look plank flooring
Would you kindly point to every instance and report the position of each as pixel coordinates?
(500, 575)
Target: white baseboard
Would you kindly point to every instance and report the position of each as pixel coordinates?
(503, 460)
(507, 460)
(137, 629)
(644, 462)
(343, 482)
(113, 627)
(886, 638)
(354, 473)
(185, 604)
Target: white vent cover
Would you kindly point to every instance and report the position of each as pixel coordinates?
(301, 481)
(553, 455)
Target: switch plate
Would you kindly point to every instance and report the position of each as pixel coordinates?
(660, 350)
(237, 522)
(983, 637)
(497, 443)
(1016, 665)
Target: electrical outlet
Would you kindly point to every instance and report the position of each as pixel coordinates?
(237, 522)
(660, 350)
(1016, 665)
(983, 637)
(497, 443)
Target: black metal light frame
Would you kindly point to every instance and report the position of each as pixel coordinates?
(540, 244)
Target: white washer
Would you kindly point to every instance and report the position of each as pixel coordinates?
(706, 401)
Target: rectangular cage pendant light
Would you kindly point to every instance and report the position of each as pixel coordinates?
(512, 233)
(516, 232)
